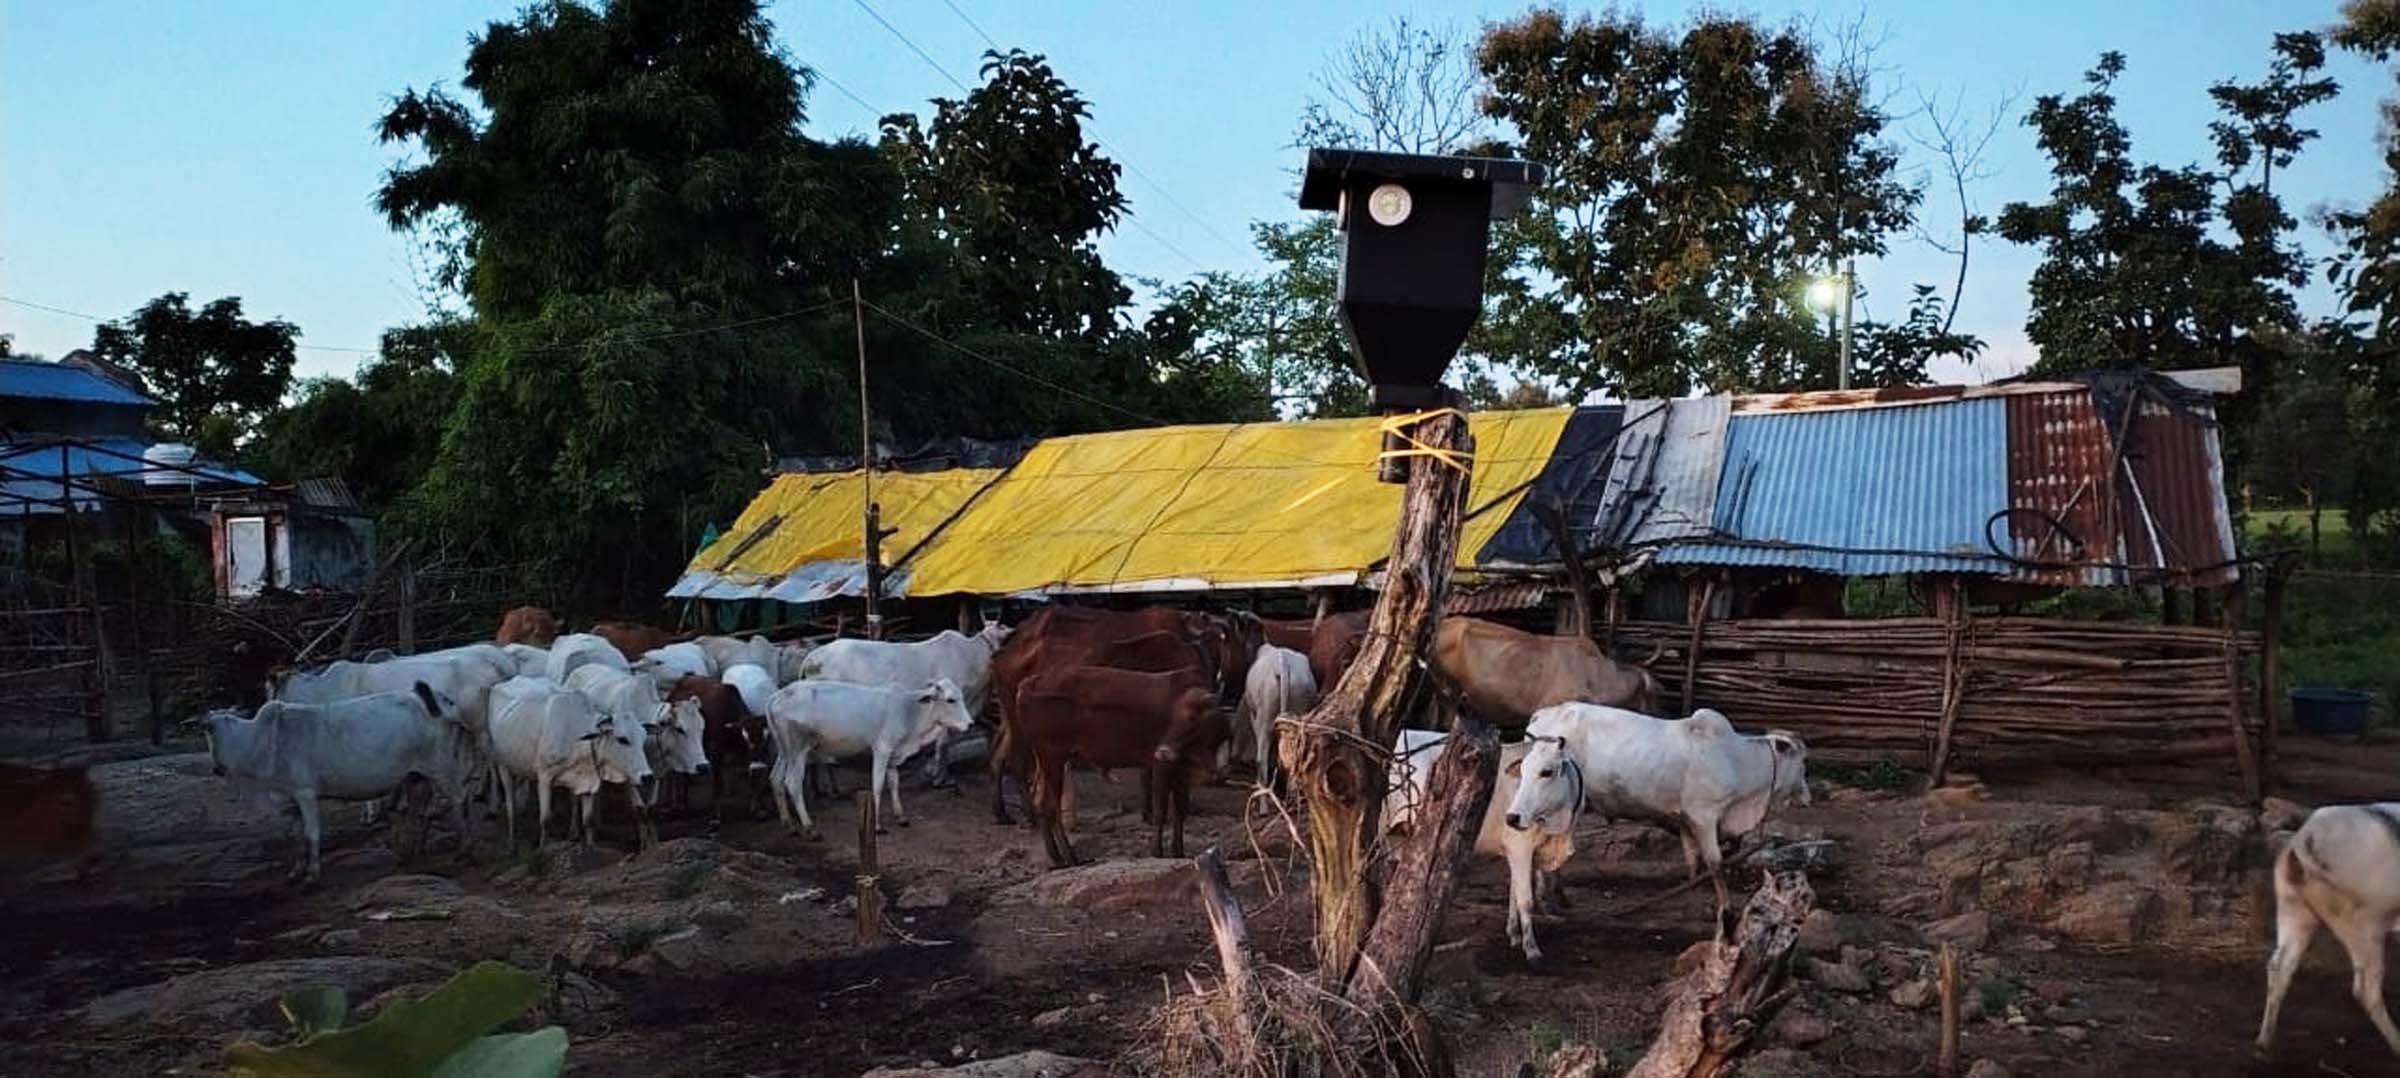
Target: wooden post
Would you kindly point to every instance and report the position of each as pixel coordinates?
(1954, 673)
(1698, 612)
(1736, 990)
(1946, 1055)
(870, 891)
(875, 533)
(2244, 754)
(1336, 753)
(2170, 606)
(2204, 602)
(1225, 925)
(2270, 669)
(91, 680)
(1616, 615)
(1426, 866)
(405, 629)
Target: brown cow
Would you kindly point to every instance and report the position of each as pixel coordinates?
(1507, 674)
(527, 625)
(1166, 723)
(45, 813)
(736, 742)
(1334, 644)
(1291, 633)
(632, 638)
(1057, 637)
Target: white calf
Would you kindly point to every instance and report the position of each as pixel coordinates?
(725, 651)
(1278, 684)
(554, 736)
(836, 719)
(2340, 871)
(755, 684)
(1696, 775)
(360, 748)
(1534, 854)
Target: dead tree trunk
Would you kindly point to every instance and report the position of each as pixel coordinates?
(1736, 990)
(1336, 755)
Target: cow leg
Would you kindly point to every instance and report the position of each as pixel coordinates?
(879, 772)
(507, 789)
(645, 818)
(312, 834)
(1004, 748)
(1704, 836)
(798, 788)
(587, 811)
(2295, 927)
(1262, 734)
(1049, 789)
(1182, 785)
(2363, 937)
(1066, 796)
(541, 795)
(1521, 887)
(1154, 809)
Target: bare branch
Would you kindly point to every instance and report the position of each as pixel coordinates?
(1959, 141)
(1399, 86)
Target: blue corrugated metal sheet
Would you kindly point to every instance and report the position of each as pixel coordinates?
(57, 381)
(118, 457)
(1860, 492)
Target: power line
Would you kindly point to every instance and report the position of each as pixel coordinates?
(938, 69)
(1161, 188)
(1012, 368)
(845, 91)
(97, 318)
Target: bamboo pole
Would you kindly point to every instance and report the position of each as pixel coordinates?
(1691, 651)
(870, 891)
(1953, 680)
(2253, 784)
(2270, 670)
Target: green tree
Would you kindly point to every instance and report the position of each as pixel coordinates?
(2147, 265)
(213, 371)
(1698, 180)
(378, 431)
(1004, 183)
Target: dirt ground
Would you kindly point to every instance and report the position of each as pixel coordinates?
(728, 951)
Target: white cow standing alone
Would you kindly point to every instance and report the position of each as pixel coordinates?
(1534, 854)
(1278, 684)
(835, 719)
(2340, 871)
(1695, 775)
(553, 736)
(357, 749)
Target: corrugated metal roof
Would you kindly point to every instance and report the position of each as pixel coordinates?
(329, 492)
(2174, 506)
(2061, 446)
(1662, 486)
(1860, 492)
(57, 381)
(120, 458)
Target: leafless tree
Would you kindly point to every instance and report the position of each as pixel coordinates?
(1401, 86)
(1957, 140)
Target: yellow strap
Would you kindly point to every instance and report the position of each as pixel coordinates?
(1397, 426)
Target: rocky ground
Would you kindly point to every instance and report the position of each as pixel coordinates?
(2111, 924)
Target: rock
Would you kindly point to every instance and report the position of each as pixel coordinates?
(2277, 814)
(1836, 976)
(1821, 933)
(1576, 1059)
(409, 890)
(2117, 911)
(1035, 1064)
(1968, 932)
(923, 896)
(2207, 845)
(1054, 1017)
(245, 996)
(1110, 885)
(2072, 1034)
(1989, 1068)
(2053, 992)
(1799, 1026)
(1779, 1063)
(687, 949)
(1915, 995)
(579, 1002)
(1957, 796)
(720, 915)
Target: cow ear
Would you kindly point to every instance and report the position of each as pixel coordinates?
(1516, 769)
(594, 735)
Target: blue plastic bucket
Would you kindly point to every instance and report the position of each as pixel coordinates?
(2331, 711)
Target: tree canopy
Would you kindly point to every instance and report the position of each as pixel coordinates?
(213, 371)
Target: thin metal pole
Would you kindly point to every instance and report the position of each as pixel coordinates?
(1849, 289)
(866, 471)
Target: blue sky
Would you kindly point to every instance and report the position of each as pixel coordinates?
(226, 148)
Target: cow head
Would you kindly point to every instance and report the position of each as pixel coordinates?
(618, 750)
(212, 724)
(1791, 766)
(940, 700)
(681, 736)
(1549, 787)
(1196, 725)
(994, 635)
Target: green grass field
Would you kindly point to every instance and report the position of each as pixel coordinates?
(2340, 630)
(2336, 547)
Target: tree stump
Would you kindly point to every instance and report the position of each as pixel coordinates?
(1736, 990)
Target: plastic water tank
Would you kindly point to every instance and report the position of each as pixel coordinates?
(173, 455)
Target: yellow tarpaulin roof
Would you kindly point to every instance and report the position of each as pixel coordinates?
(818, 517)
(1224, 505)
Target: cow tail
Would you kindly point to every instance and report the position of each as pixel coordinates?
(433, 706)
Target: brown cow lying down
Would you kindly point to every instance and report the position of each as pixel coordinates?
(1117, 718)
(527, 625)
(45, 813)
(1506, 674)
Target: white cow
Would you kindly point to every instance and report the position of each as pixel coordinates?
(835, 719)
(2341, 870)
(724, 651)
(1695, 775)
(1534, 854)
(579, 649)
(464, 678)
(554, 736)
(789, 659)
(755, 684)
(531, 661)
(1278, 684)
(675, 662)
(671, 735)
(966, 661)
(360, 748)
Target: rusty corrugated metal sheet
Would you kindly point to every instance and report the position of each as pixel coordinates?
(2178, 481)
(2059, 451)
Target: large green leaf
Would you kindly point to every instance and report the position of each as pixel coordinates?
(409, 1039)
(539, 1054)
(317, 1009)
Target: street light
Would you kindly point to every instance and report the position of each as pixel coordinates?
(1837, 289)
